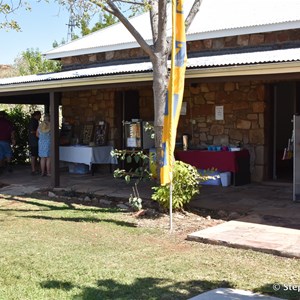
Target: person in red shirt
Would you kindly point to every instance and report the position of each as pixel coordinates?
(7, 137)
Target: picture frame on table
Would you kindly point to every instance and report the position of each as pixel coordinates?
(87, 133)
(101, 133)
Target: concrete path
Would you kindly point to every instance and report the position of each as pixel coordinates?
(231, 294)
(270, 239)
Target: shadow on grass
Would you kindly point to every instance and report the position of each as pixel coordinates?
(142, 288)
(69, 206)
(40, 204)
(55, 284)
(282, 290)
(82, 219)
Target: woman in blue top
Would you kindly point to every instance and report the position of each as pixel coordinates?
(44, 136)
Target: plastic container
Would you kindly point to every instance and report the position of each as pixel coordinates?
(225, 178)
(75, 168)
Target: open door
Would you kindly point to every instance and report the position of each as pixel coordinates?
(284, 108)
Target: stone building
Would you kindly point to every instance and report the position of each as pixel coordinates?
(243, 56)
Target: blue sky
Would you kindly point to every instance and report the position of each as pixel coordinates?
(40, 28)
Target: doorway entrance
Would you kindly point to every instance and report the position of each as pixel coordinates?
(285, 105)
(127, 107)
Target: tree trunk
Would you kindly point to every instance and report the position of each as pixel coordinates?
(160, 79)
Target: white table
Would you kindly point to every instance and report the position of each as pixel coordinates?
(87, 155)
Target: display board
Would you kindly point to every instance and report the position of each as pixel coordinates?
(100, 136)
(87, 133)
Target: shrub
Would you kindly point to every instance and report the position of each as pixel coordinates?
(20, 119)
(186, 181)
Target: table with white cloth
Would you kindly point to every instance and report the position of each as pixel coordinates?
(87, 155)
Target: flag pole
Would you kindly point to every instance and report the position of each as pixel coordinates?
(171, 200)
(173, 99)
(171, 87)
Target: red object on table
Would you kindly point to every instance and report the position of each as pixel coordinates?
(224, 161)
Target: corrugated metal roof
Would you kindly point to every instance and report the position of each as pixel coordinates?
(216, 18)
(271, 56)
(89, 72)
(249, 58)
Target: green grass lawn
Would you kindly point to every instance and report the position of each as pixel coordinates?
(51, 250)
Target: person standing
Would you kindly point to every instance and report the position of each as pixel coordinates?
(33, 140)
(7, 137)
(44, 145)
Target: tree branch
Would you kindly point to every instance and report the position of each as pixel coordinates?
(162, 26)
(131, 2)
(113, 9)
(194, 10)
(154, 20)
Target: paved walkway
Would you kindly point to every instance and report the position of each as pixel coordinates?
(231, 294)
(269, 219)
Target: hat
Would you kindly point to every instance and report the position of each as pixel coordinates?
(45, 127)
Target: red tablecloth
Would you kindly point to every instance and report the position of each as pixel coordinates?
(224, 161)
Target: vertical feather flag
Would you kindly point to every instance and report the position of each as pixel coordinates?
(175, 90)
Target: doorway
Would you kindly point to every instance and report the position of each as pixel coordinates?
(127, 107)
(285, 105)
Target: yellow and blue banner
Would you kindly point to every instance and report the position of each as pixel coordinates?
(175, 91)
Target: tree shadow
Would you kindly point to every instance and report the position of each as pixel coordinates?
(142, 288)
(56, 284)
(286, 290)
(82, 219)
(70, 206)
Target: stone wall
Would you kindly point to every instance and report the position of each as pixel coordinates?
(277, 38)
(91, 106)
(249, 40)
(244, 108)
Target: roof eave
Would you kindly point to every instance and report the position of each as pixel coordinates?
(246, 70)
(207, 72)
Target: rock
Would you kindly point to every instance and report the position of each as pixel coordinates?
(122, 206)
(87, 199)
(105, 202)
(51, 195)
(234, 215)
(222, 213)
(208, 218)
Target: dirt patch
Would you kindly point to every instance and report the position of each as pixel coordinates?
(183, 222)
(151, 216)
